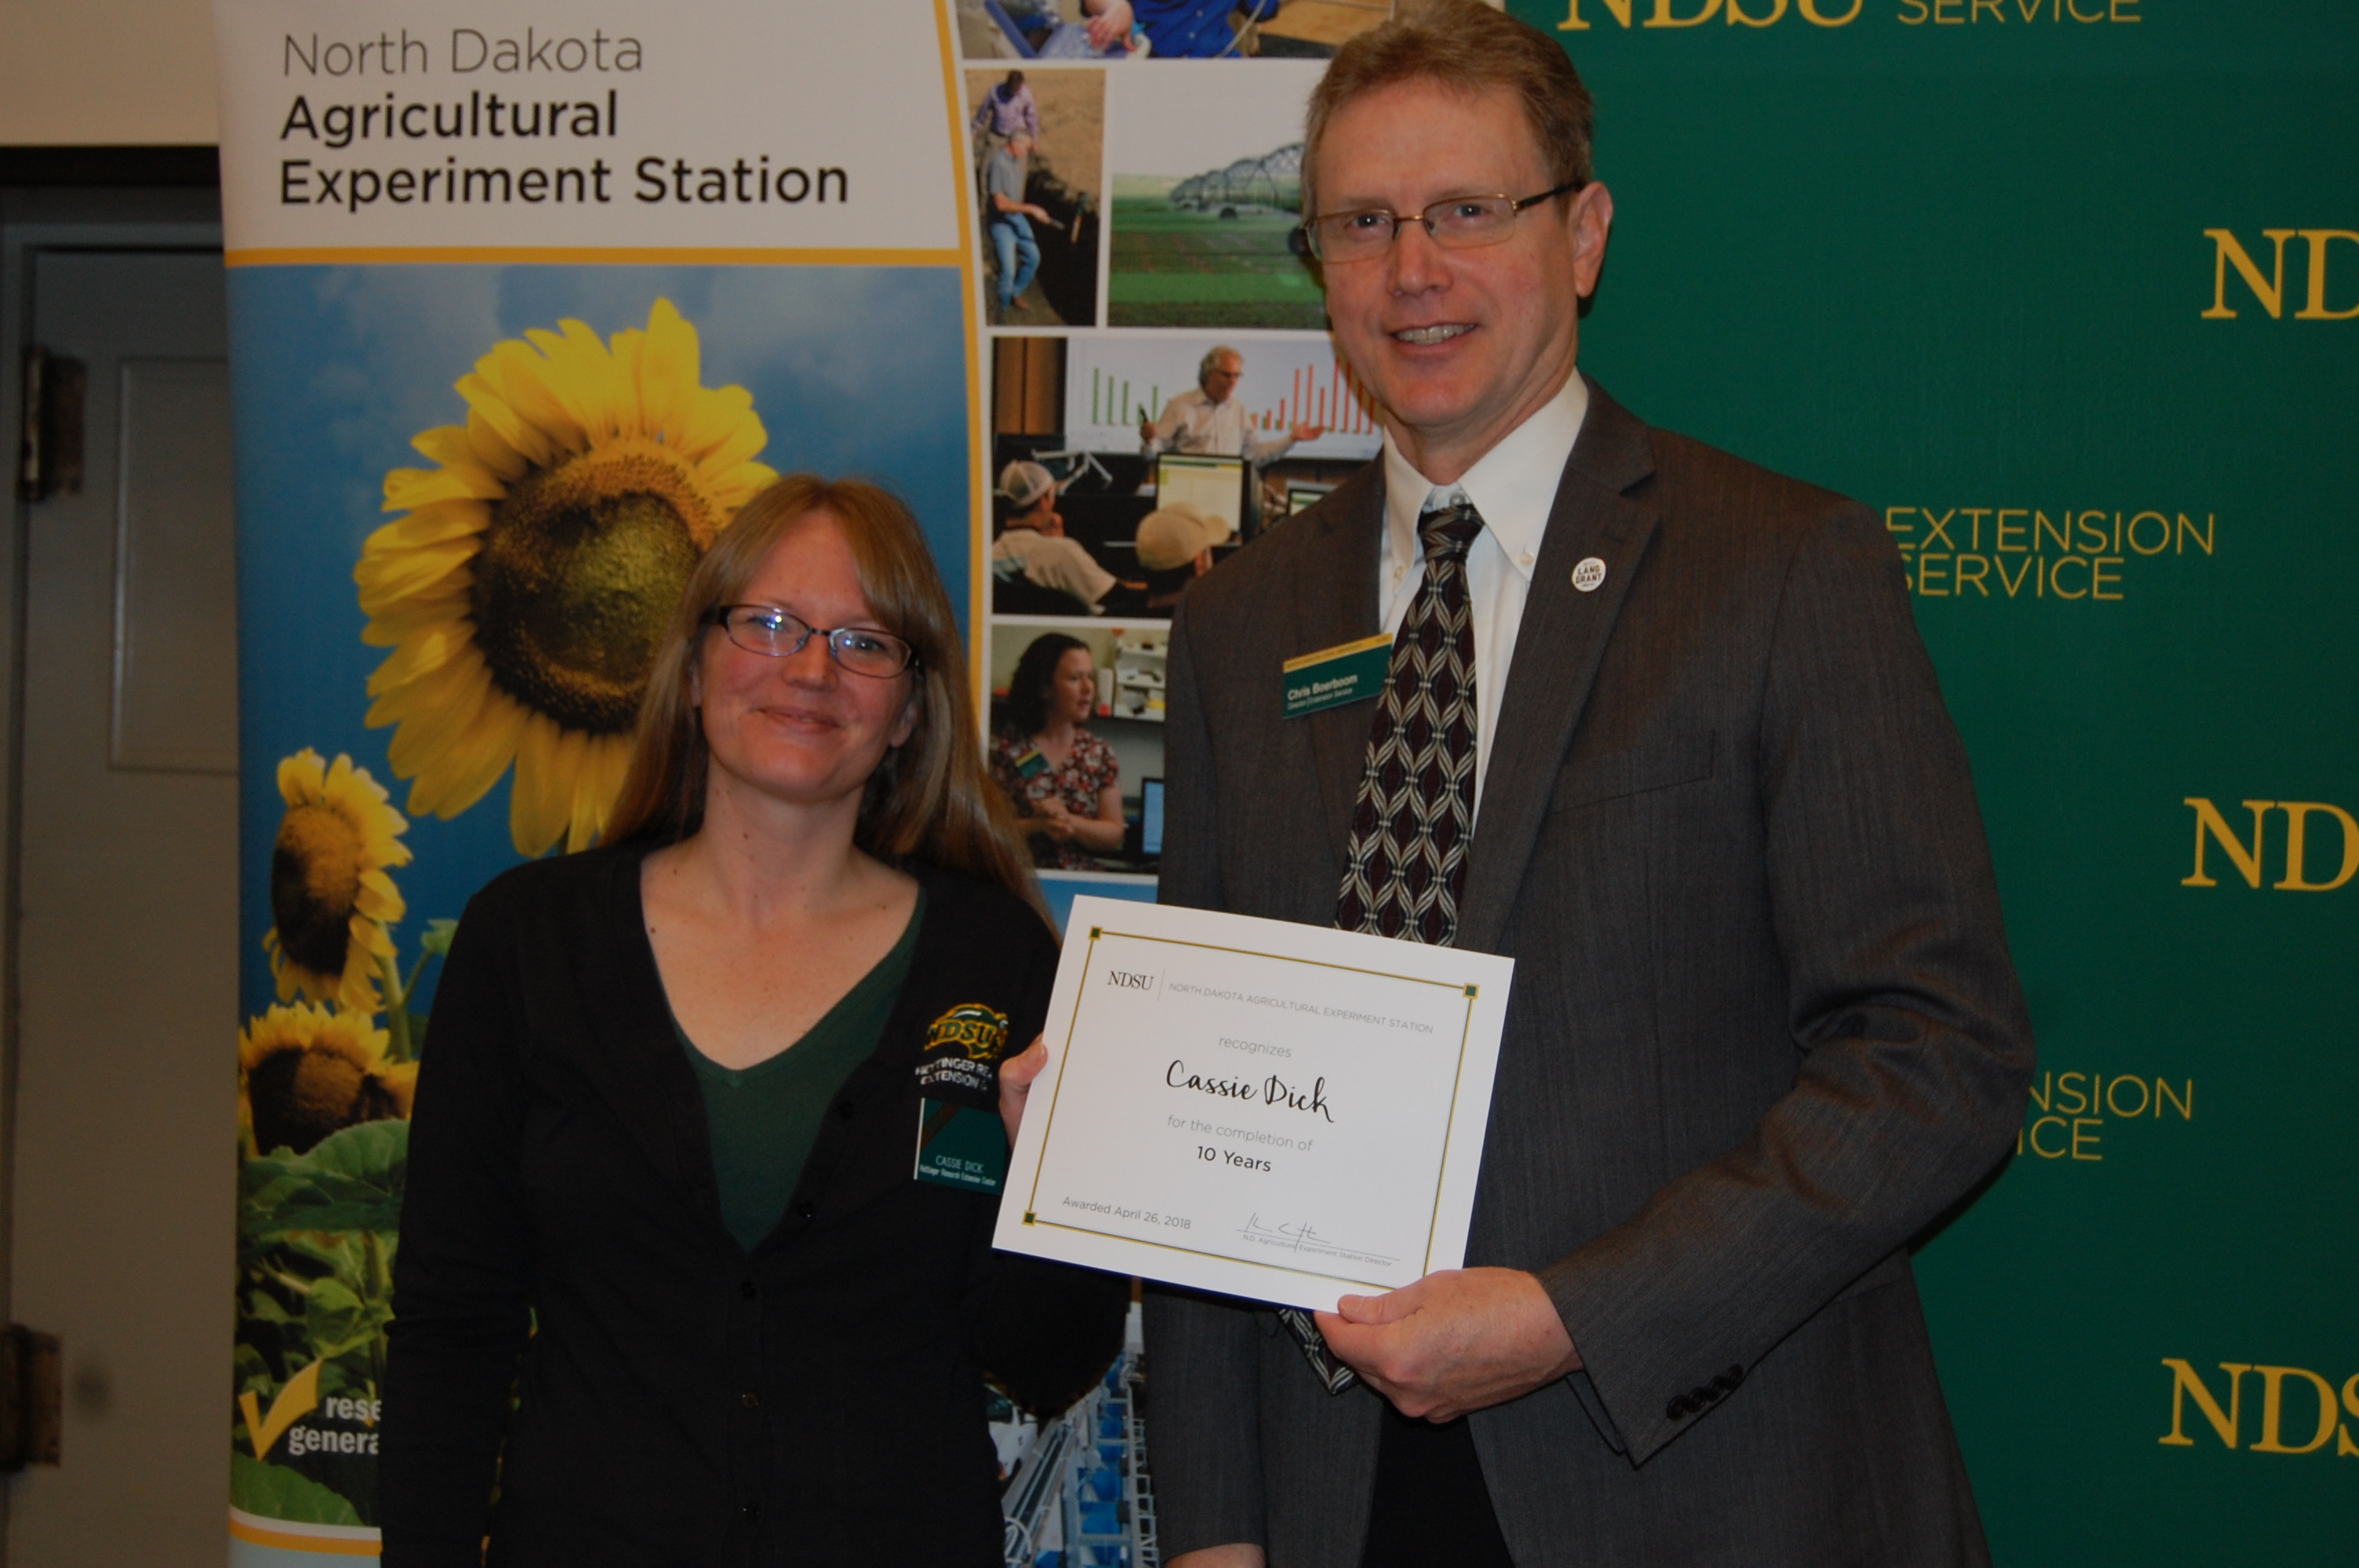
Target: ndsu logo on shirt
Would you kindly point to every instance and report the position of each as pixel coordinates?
(961, 1048)
(979, 1032)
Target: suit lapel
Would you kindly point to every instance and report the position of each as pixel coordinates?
(1559, 646)
(1334, 603)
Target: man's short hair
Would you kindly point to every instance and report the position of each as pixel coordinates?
(1466, 46)
(1213, 357)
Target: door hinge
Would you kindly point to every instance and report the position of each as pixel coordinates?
(49, 457)
(32, 1397)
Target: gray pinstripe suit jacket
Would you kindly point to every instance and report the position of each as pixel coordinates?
(1764, 1028)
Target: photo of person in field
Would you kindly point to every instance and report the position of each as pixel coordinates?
(1039, 140)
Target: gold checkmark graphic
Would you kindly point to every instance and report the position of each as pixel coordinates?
(297, 1399)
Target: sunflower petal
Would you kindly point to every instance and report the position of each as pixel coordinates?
(443, 444)
(429, 650)
(587, 811)
(539, 800)
(628, 348)
(487, 403)
(466, 771)
(717, 416)
(390, 574)
(303, 776)
(431, 712)
(671, 365)
(395, 621)
(408, 488)
(432, 525)
(740, 485)
(492, 451)
(379, 899)
(522, 379)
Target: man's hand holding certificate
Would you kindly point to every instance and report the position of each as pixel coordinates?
(1287, 1113)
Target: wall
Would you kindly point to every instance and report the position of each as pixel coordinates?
(1984, 266)
(106, 72)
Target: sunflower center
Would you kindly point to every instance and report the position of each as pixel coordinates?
(578, 572)
(301, 1096)
(315, 880)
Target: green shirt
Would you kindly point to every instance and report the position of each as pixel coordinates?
(765, 1119)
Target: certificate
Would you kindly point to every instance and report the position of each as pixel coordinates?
(1286, 1113)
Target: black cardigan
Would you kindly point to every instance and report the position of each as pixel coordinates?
(818, 1400)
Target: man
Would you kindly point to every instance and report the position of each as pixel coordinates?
(1007, 220)
(1032, 545)
(1176, 29)
(1175, 547)
(1658, 726)
(1009, 110)
(1208, 419)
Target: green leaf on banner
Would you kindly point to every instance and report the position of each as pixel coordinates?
(273, 1491)
(351, 1181)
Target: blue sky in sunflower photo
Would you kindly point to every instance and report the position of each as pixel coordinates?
(852, 370)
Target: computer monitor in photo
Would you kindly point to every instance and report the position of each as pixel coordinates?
(1150, 817)
(1213, 486)
(1301, 497)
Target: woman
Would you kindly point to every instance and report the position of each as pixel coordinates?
(1064, 780)
(660, 1165)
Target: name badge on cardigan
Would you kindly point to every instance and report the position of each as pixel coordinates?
(961, 1146)
(1331, 677)
(961, 1142)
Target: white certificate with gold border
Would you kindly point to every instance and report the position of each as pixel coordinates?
(1285, 1113)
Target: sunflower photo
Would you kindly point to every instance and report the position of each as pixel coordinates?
(469, 496)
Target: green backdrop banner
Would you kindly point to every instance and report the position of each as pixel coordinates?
(2070, 291)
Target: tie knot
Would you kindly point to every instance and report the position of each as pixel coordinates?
(1449, 532)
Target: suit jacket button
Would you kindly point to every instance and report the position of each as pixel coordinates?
(1677, 1410)
(1699, 1397)
(750, 1400)
(752, 1511)
(746, 1288)
(805, 1209)
(1726, 1383)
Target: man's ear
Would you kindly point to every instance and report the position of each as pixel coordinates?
(1592, 222)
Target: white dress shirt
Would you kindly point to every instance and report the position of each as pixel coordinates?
(1193, 423)
(1513, 486)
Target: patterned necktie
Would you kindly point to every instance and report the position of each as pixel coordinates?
(1415, 812)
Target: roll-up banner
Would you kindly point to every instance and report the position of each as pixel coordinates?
(525, 303)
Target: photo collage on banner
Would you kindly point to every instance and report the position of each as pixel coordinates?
(1160, 390)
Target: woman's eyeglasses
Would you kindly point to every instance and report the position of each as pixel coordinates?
(766, 630)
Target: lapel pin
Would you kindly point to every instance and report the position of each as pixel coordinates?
(1589, 574)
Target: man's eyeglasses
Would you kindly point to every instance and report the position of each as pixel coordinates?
(1460, 222)
(770, 632)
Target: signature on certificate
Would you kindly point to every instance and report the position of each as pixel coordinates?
(1302, 1237)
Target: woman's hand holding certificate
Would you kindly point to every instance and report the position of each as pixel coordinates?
(1288, 1113)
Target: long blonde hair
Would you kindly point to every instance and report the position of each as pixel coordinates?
(929, 797)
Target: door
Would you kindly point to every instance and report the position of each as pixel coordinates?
(125, 1139)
